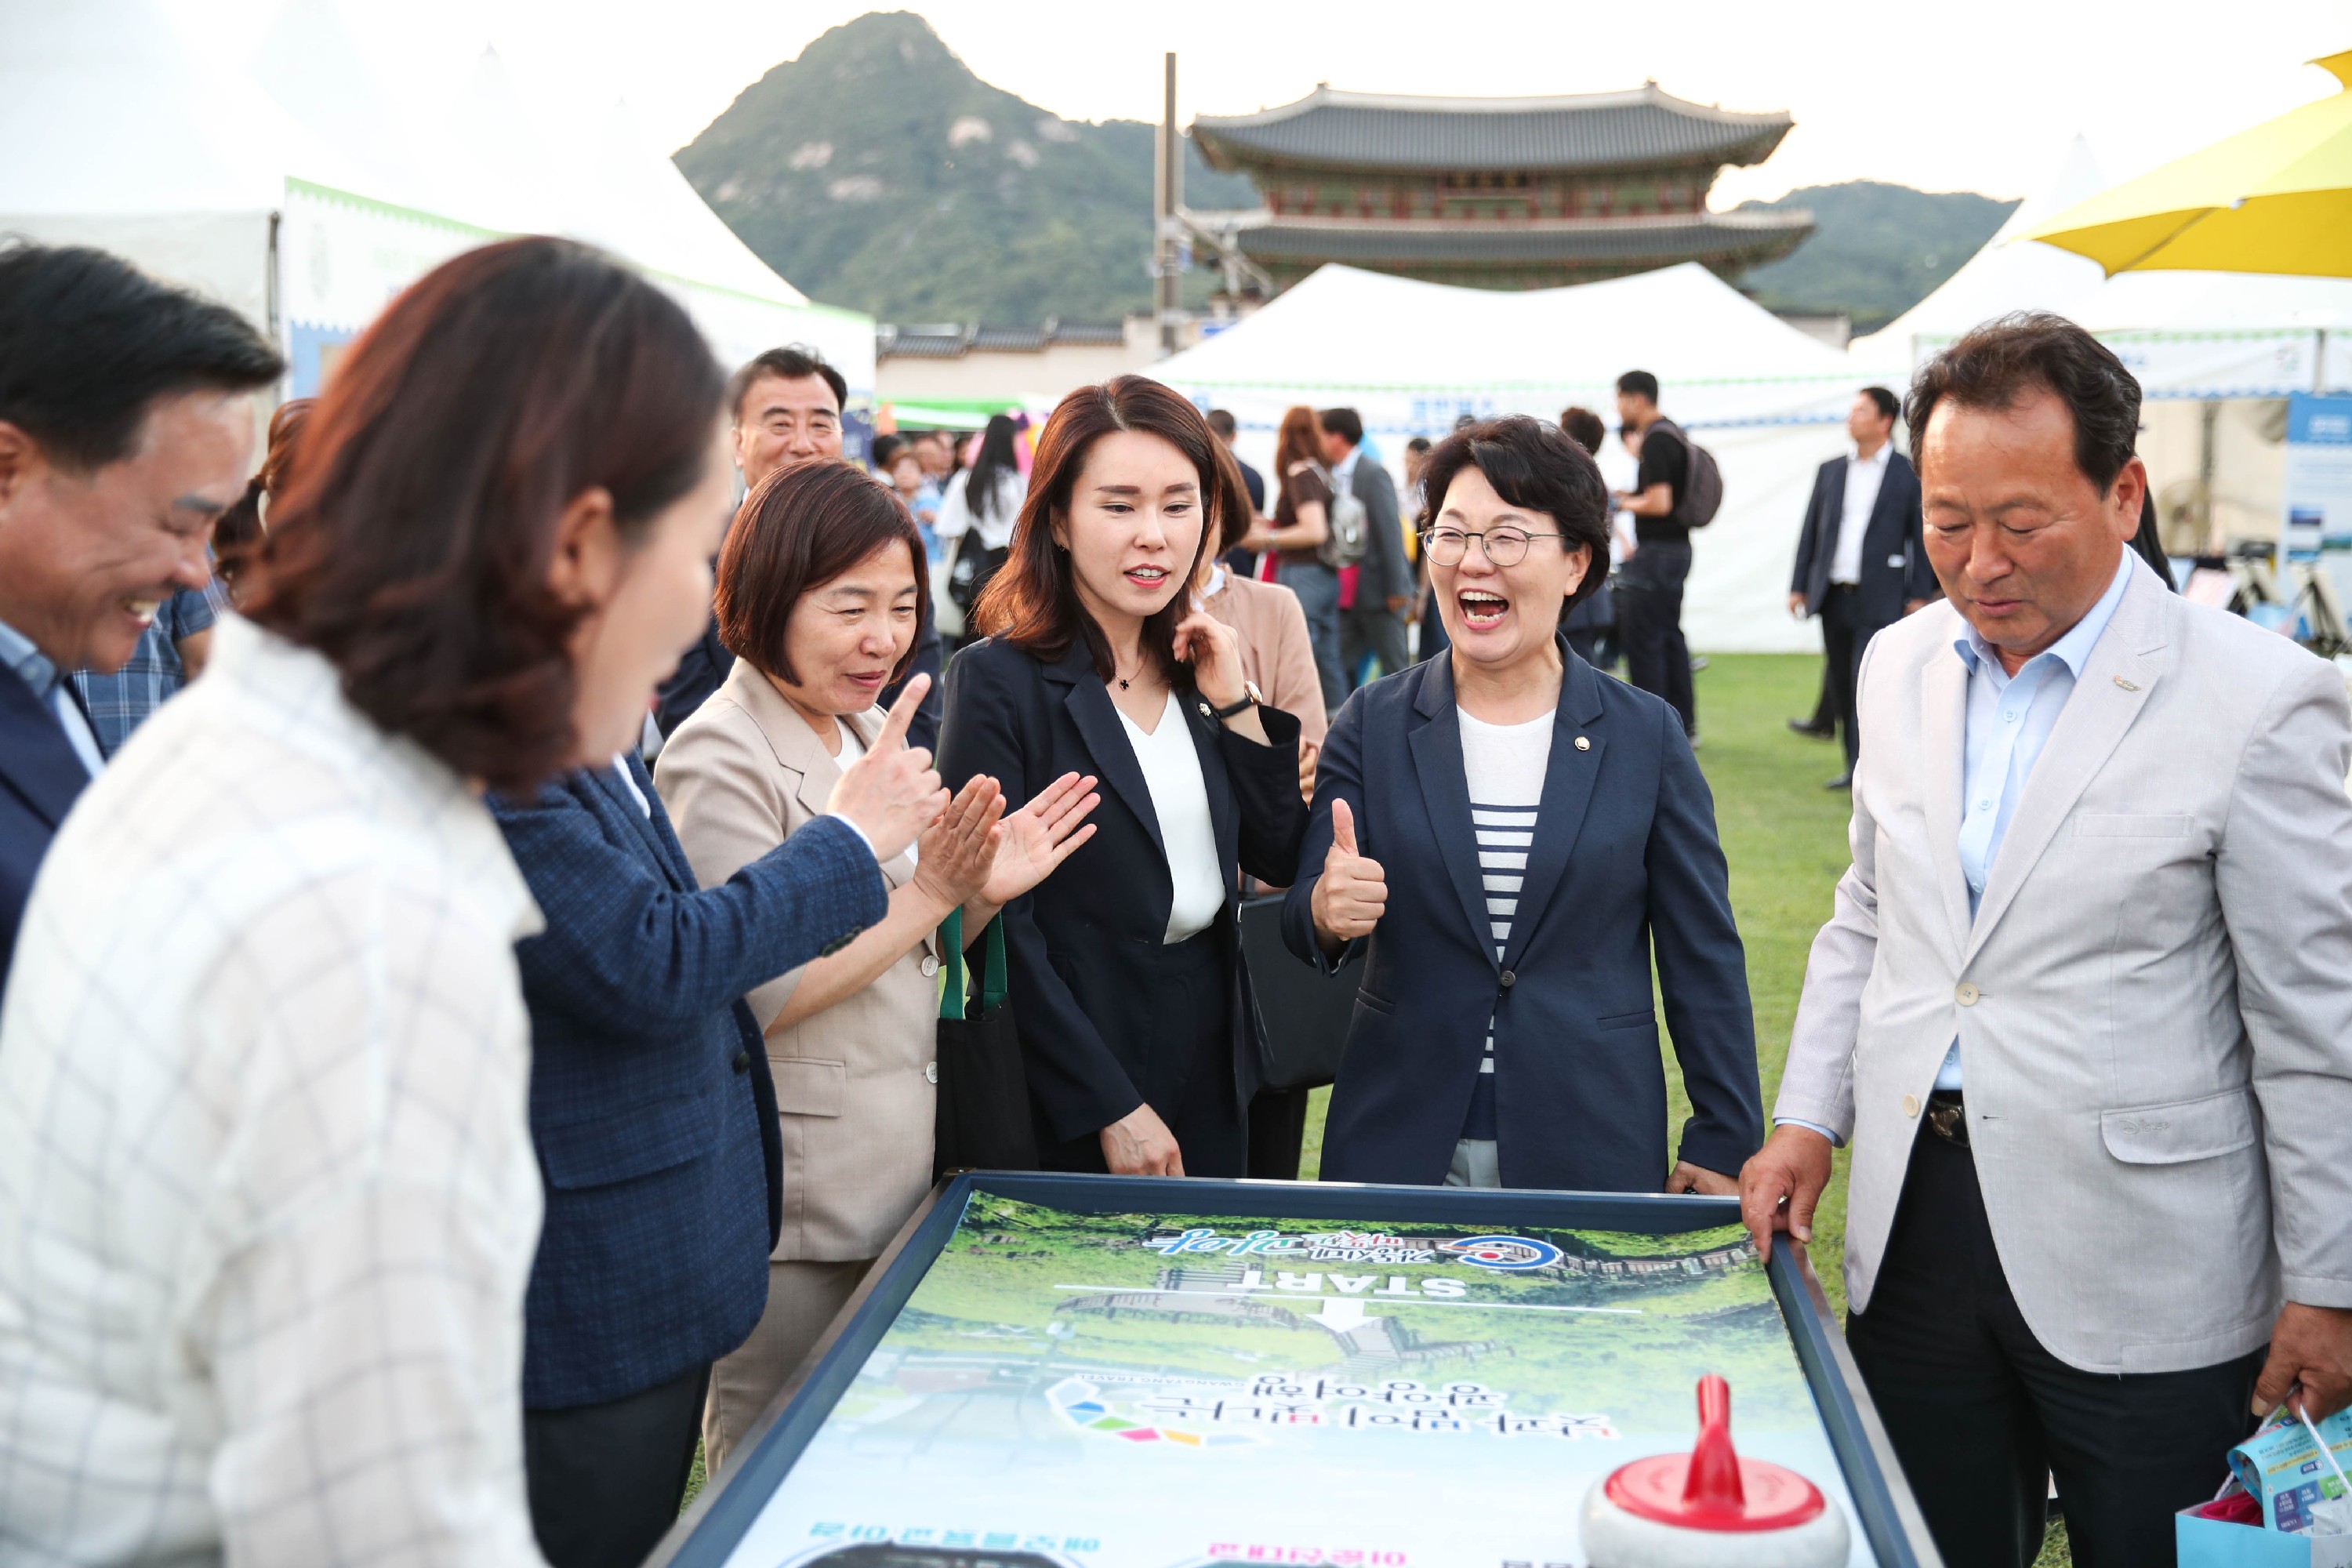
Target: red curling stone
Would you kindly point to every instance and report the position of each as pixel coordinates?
(1711, 1507)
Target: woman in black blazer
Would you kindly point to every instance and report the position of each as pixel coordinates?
(1136, 1026)
(1508, 840)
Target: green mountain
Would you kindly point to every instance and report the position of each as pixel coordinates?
(1877, 250)
(877, 172)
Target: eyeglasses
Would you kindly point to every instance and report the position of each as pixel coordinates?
(1503, 546)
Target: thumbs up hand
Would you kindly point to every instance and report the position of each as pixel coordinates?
(1352, 891)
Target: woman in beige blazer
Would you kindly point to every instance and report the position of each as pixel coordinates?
(821, 594)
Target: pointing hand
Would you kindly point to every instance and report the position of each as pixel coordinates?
(891, 795)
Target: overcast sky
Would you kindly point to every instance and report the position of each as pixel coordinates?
(1980, 95)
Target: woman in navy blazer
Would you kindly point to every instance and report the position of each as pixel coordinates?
(1136, 1031)
(1503, 1032)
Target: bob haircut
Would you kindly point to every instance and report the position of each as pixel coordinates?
(413, 544)
(805, 525)
(1537, 467)
(1033, 602)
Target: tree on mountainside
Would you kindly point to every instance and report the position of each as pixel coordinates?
(877, 172)
(1876, 250)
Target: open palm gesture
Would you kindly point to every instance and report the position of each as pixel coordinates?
(1040, 836)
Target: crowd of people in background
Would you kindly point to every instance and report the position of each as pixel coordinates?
(461, 1051)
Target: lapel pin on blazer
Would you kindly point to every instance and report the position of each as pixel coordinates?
(1583, 743)
(2126, 685)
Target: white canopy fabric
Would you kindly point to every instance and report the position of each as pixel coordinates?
(1410, 357)
(134, 142)
(2184, 334)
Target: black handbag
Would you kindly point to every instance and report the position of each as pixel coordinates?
(1303, 1013)
(983, 1099)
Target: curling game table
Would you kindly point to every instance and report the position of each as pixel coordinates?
(1108, 1371)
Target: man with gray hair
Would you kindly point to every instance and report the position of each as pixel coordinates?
(2083, 1007)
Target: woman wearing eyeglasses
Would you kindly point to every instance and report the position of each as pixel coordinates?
(1505, 839)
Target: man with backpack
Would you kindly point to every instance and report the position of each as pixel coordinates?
(1371, 626)
(1676, 488)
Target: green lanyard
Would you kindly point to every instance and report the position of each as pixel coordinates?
(992, 988)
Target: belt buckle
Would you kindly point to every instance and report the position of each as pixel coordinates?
(1950, 1121)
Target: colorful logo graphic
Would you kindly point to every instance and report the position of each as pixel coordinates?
(1511, 1254)
(1078, 1403)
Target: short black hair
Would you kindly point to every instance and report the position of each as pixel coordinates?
(1344, 423)
(886, 448)
(1889, 406)
(1640, 382)
(2002, 361)
(1418, 443)
(87, 343)
(1584, 427)
(791, 363)
(1536, 466)
(1221, 420)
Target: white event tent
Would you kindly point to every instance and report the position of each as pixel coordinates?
(1410, 357)
(305, 190)
(2184, 334)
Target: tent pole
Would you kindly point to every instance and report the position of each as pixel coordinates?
(269, 297)
(1166, 297)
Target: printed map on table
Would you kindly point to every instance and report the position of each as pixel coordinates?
(1153, 1390)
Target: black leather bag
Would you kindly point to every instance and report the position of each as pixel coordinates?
(1303, 1013)
(983, 1100)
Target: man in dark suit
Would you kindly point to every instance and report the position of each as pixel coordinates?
(1374, 626)
(126, 427)
(786, 406)
(654, 1120)
(1222, 426)
(1860, 563)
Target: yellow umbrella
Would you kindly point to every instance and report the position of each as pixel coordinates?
(2277, 199)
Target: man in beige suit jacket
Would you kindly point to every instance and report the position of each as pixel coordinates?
(2083, 1007)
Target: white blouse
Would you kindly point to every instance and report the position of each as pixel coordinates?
(993, 514)
(1180, 798)
(268, 1200)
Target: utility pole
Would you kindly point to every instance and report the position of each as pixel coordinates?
(1167, 278)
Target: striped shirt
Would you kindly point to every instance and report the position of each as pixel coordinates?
(1503, 765)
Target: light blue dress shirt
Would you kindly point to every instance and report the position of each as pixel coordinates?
(35, 669)
(2010, 718)
(2009, 721)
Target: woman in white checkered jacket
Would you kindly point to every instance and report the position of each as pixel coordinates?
(268, 1200)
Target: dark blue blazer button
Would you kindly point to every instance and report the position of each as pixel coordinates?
(1510, 979)
(742, 1061)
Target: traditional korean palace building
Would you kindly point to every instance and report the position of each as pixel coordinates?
(1499, 193)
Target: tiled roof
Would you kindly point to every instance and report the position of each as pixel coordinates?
(1612, 241)
(1328, 129)
(953, 340)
